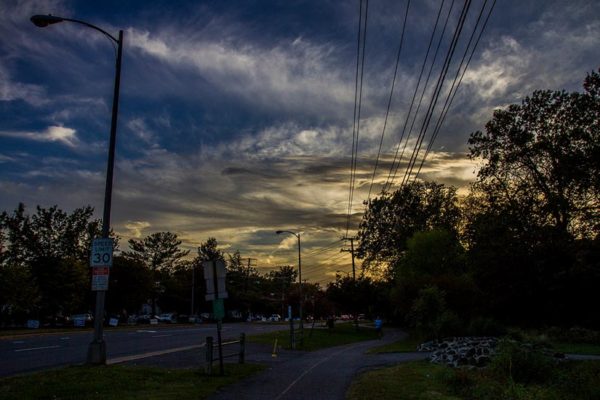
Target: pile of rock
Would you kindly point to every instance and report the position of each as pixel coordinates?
(461, 351)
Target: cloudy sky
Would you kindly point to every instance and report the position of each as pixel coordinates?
(237, 117)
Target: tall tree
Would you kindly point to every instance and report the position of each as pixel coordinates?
(209, 250)
(535, 205)
(51, 247)
(544, 154)
(391, 219)
(160, 253)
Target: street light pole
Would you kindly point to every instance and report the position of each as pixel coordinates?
(97, 348)
(300, 280)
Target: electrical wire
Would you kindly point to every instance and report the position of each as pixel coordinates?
(362, 32)
(389, 104)
(437, 91)
(397, 160)
(456, 83)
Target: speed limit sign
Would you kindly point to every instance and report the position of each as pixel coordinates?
(102, 253)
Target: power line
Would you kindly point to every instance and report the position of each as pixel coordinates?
(362, 32)
(396, 161)
(389, 104)
(451, 93)
(322, 249)
(437, 91)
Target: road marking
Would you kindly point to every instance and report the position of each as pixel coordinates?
(37, 348)
(118, 360)
(145, 331)
(161, 335)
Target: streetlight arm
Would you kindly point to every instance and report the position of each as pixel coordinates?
(43, 21)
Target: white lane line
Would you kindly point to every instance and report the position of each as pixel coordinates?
(161, 335)
(38, 348)
(145, 331)
(118, 360)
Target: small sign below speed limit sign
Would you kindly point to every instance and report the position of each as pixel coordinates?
(102, 253)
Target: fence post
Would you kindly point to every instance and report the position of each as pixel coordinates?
(209, 355)
(242, 347)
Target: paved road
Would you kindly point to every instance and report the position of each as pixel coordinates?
(37, 352)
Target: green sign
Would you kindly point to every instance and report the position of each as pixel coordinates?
(218, 308)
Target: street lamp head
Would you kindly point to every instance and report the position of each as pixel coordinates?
(45, 20)
(279, 232)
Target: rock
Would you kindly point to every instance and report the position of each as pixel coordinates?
(461, 351)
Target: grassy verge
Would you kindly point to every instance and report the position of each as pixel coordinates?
(120, 382)
(415, 380)
(422, 380)
(319, 338)
(577, 348)
(407, 345)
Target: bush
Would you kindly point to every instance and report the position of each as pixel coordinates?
(430, 316)
(483, 326)
(522, 363)
(574, 335)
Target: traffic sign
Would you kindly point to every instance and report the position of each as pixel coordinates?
(102, 252)
(215, 274)
(100, 278)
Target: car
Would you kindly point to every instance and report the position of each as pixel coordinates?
(275, 318)
(169, 318)
(82, 320)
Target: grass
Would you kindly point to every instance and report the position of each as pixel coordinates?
(406, 345)
(319, 338)
(577, 348)
(120, 382)
(422, 380)
(415, 380)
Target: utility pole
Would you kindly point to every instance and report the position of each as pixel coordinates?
(351, 251)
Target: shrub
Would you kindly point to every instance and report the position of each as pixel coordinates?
(575, 335)
(430, 316)
(483, 326)
(522, 363)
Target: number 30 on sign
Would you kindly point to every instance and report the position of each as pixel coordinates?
(102, 253)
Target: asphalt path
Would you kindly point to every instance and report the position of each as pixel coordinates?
(324, 374)
(22, 354)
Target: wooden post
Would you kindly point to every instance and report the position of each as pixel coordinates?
(209, 355)
(242, 347)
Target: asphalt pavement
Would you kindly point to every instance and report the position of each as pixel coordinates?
(323, 374)
(28, 353)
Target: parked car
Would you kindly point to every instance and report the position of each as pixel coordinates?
(275, 318)
(169, 318)
(82, 320)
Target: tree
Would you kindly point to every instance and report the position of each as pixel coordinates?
(534, 209)
(391, 219)
(46, 255)
(544, 155)
(130, 285)
(160, 253)
(209, 251)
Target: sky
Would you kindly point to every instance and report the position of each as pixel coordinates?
(237, 118)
